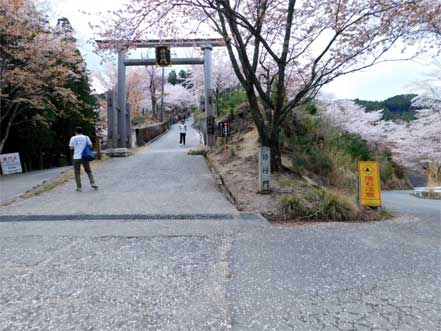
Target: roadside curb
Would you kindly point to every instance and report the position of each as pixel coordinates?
(201, 135)
(221, 182)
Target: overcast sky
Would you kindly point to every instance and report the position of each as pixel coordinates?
(377, 83)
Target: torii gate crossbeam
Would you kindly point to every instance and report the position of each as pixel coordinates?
(152, 62)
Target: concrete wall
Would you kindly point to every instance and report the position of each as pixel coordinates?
(148, 133)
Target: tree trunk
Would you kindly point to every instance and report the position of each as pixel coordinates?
(276, 157)
(154, 106)
(5, 133)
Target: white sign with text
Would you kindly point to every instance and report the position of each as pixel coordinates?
(10, 163)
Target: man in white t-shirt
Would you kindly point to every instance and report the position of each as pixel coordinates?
(182, 132)
(77, 143)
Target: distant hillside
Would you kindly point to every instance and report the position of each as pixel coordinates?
(397, 107)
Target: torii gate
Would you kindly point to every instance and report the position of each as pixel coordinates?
(121, 124)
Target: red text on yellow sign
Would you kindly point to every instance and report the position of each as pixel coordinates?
(370, 189)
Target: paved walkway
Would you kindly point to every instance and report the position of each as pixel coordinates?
(229, 271)
(12, 186)
(160, 179)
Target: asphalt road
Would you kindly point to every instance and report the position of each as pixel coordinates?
(351, 276)
(402, 202)
(230, 272)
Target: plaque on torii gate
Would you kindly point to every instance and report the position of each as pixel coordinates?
(121, 115)
(162, 55)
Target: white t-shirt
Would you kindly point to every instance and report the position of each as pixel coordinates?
(182, 128)
(78, 143)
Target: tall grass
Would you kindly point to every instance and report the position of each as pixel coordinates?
(433, 174)
(319, 205)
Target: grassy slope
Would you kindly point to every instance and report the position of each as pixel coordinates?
(322, 160)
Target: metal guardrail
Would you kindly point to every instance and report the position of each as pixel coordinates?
(421, 190)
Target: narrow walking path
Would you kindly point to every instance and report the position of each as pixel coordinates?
(160, 179)
(12, 186)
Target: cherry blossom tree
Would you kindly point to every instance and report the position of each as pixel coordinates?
(422, 21)
(38, 65)
(154, 84)
(177, 96)
(415, 144)
(137, 90)
(431, 85)
(224, 77)
(142, 85)
(308, 43)
(354, 118)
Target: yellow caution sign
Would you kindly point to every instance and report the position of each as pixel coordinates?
(369, 185)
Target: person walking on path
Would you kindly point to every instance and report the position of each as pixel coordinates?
(77, 143)
(182, 132)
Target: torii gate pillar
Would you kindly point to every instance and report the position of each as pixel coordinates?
(124, 125)
(209, 100)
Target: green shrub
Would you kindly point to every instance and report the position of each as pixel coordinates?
(230, 101)
(297, 164)
(354, 146)
(386, 171)
(312, 159)
(319, 162)
(199, 116)
(199, 151)
(311, 124)
(431, 195)
(311, 108)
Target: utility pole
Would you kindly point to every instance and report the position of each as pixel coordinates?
(162, 96)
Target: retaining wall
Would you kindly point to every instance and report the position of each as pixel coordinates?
(148, 133)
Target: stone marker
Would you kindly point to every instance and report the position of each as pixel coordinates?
(264, 169)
